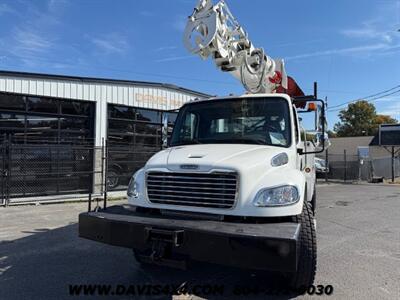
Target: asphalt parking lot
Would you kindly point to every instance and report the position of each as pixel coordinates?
(358, 251)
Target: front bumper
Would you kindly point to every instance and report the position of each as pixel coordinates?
(270, 246)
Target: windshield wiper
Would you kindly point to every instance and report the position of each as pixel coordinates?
(191, 142)
(238, 140)
(250, 141)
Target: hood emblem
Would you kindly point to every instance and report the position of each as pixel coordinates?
(189, 167)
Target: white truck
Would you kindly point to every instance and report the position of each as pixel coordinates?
(236, 185)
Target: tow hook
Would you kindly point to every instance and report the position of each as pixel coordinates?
(161, 239)
(157, 250)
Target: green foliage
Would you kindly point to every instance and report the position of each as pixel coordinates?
(360, 118)
(331, 134)
(308, 136)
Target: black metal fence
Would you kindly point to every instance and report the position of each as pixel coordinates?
(40, 170)
(31, 172)
(342, 166)
(123, 161)
(3, 175)
(348, 168)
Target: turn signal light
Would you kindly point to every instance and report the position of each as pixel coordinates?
(312, 106)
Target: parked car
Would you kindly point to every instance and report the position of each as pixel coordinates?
(321, 165)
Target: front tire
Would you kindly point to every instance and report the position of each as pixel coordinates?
(112, 179)
(304, 277)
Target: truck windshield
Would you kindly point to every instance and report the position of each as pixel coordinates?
(264, 121)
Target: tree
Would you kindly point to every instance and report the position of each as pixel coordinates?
(360, 118)
(384, 119)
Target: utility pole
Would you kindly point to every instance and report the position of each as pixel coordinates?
(393, 164)
(326, 150)
(316, 113)
(345, 165)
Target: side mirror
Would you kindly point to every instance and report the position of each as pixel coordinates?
(321, 140)
(164, 132)
(317, 136)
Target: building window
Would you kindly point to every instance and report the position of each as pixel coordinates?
(35, 126)
(76, 108)
(10, 121)
(134, 135)
(12, 102)
(129, 126)
(121, 112)
(146, 115)
(40, 104)
(29, 119)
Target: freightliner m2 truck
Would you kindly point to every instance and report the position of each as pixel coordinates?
(236, 184)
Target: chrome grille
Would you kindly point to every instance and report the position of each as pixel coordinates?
(214, 190)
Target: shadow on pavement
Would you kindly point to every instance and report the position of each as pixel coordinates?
(44, 264)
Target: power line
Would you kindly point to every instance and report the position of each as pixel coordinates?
(365, 98)
(369, 100)
(88, 67)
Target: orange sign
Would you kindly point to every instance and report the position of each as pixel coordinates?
(157, 100)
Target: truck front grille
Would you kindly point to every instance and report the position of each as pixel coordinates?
(214, 190)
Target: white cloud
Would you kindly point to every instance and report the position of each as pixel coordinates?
(379, 27)
(174, 58)
(165, 48)
(29, 41)
(5, 8)
(56, 5)
(297, 43)
(111, 43)
(392, 110)
(368, 32)
(378, 36)
(367, 50)
(34, 39)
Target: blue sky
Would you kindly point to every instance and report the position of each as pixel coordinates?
(352, 48)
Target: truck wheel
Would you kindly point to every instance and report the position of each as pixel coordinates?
(303, 278)
(112, 179)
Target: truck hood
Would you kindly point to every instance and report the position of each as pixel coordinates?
(208, 157)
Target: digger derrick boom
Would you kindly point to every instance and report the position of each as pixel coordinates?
(213, 31)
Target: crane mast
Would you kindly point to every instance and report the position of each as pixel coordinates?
(212, 31)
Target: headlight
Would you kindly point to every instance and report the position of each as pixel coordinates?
(282, 195)
(133, 187)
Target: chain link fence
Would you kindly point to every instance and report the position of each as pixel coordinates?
(37, 172)
(41, 170)
(348, 168)
(123, 161)
(3, 174)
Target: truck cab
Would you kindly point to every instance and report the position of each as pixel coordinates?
(228, 156)
(235, 186)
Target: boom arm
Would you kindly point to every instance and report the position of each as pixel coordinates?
(213, 31)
